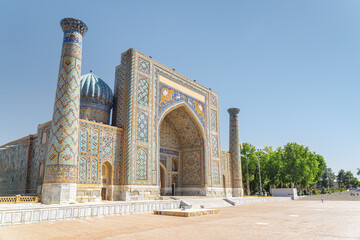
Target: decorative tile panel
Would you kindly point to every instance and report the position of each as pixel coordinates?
(215, 149)
(107, 144)
(213, 100)
(191, 168)
(143, 65)
(95, 135)
(62, 157)
(213, 120)
(142, 127)
(82, 172)
(141, 165)
(216, 173)
(169, 95)
(83, 140)
(143, 91)
(94, 175)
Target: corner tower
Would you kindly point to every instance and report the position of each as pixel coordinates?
(234, 144)
(61, 161)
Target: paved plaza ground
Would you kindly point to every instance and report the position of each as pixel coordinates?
(283, 220)
(340, 196)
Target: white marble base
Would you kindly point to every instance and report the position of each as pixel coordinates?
(58, 193)
(35, 213)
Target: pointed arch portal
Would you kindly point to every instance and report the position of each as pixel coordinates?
(181, 153)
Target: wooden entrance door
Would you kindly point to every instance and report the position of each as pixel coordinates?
(103, 193)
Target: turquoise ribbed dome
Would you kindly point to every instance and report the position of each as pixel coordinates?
(94, 89)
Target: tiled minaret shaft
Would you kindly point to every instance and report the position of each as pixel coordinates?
(234, 145)
(61, 162)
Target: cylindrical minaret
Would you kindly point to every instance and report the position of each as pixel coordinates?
(61, 162)
(234, 146)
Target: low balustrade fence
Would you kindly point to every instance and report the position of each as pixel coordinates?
(19, 199)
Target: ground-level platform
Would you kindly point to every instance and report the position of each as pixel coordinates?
(12, 214)
(186, 212)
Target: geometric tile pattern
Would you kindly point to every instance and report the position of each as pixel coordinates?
(128, 109)
(235, 148)
(213, 100)
(83, 140)
(142, 127)
(215, 149)
(226, 167)
(143, 92)
(107, 144)
(216, 173)
(141, 165)
(119, 89)
(185, 127)
(63, 147)
(95, 140)
(82, 172)
(104, 146)
(191, 168)
(143, 65)
(94, 174)
(213, 120)
(168, 135)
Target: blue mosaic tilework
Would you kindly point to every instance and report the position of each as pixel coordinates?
(83, 140)
(61, 162)
(216, 173)
(94, 175)
(213, 100)
(191, 168)
(82, 172)
(169, 95)
(143, 65)
(141, 165)
(95, 141)
(215, 149)
(235, 148)
(107, 144)
(143, 92)
(142, 127)
(168, 151)
(213, 120)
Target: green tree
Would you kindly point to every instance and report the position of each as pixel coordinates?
(321, 165)
(327, 179)
(248, 157)
(273, 167)
(340, 177)
(348, 179)
(358, 171)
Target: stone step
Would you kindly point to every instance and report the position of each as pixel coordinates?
(198, 203)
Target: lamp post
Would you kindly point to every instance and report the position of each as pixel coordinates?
(258, 157)
(247, 174)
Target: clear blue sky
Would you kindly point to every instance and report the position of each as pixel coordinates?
(292, 67)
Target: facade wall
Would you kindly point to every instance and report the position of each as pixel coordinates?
(98, 144)
(13, 166)
(38, 150)
(145, 91)
(225, 170)
(22, 162)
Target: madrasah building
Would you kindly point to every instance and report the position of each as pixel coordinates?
(163, 138)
